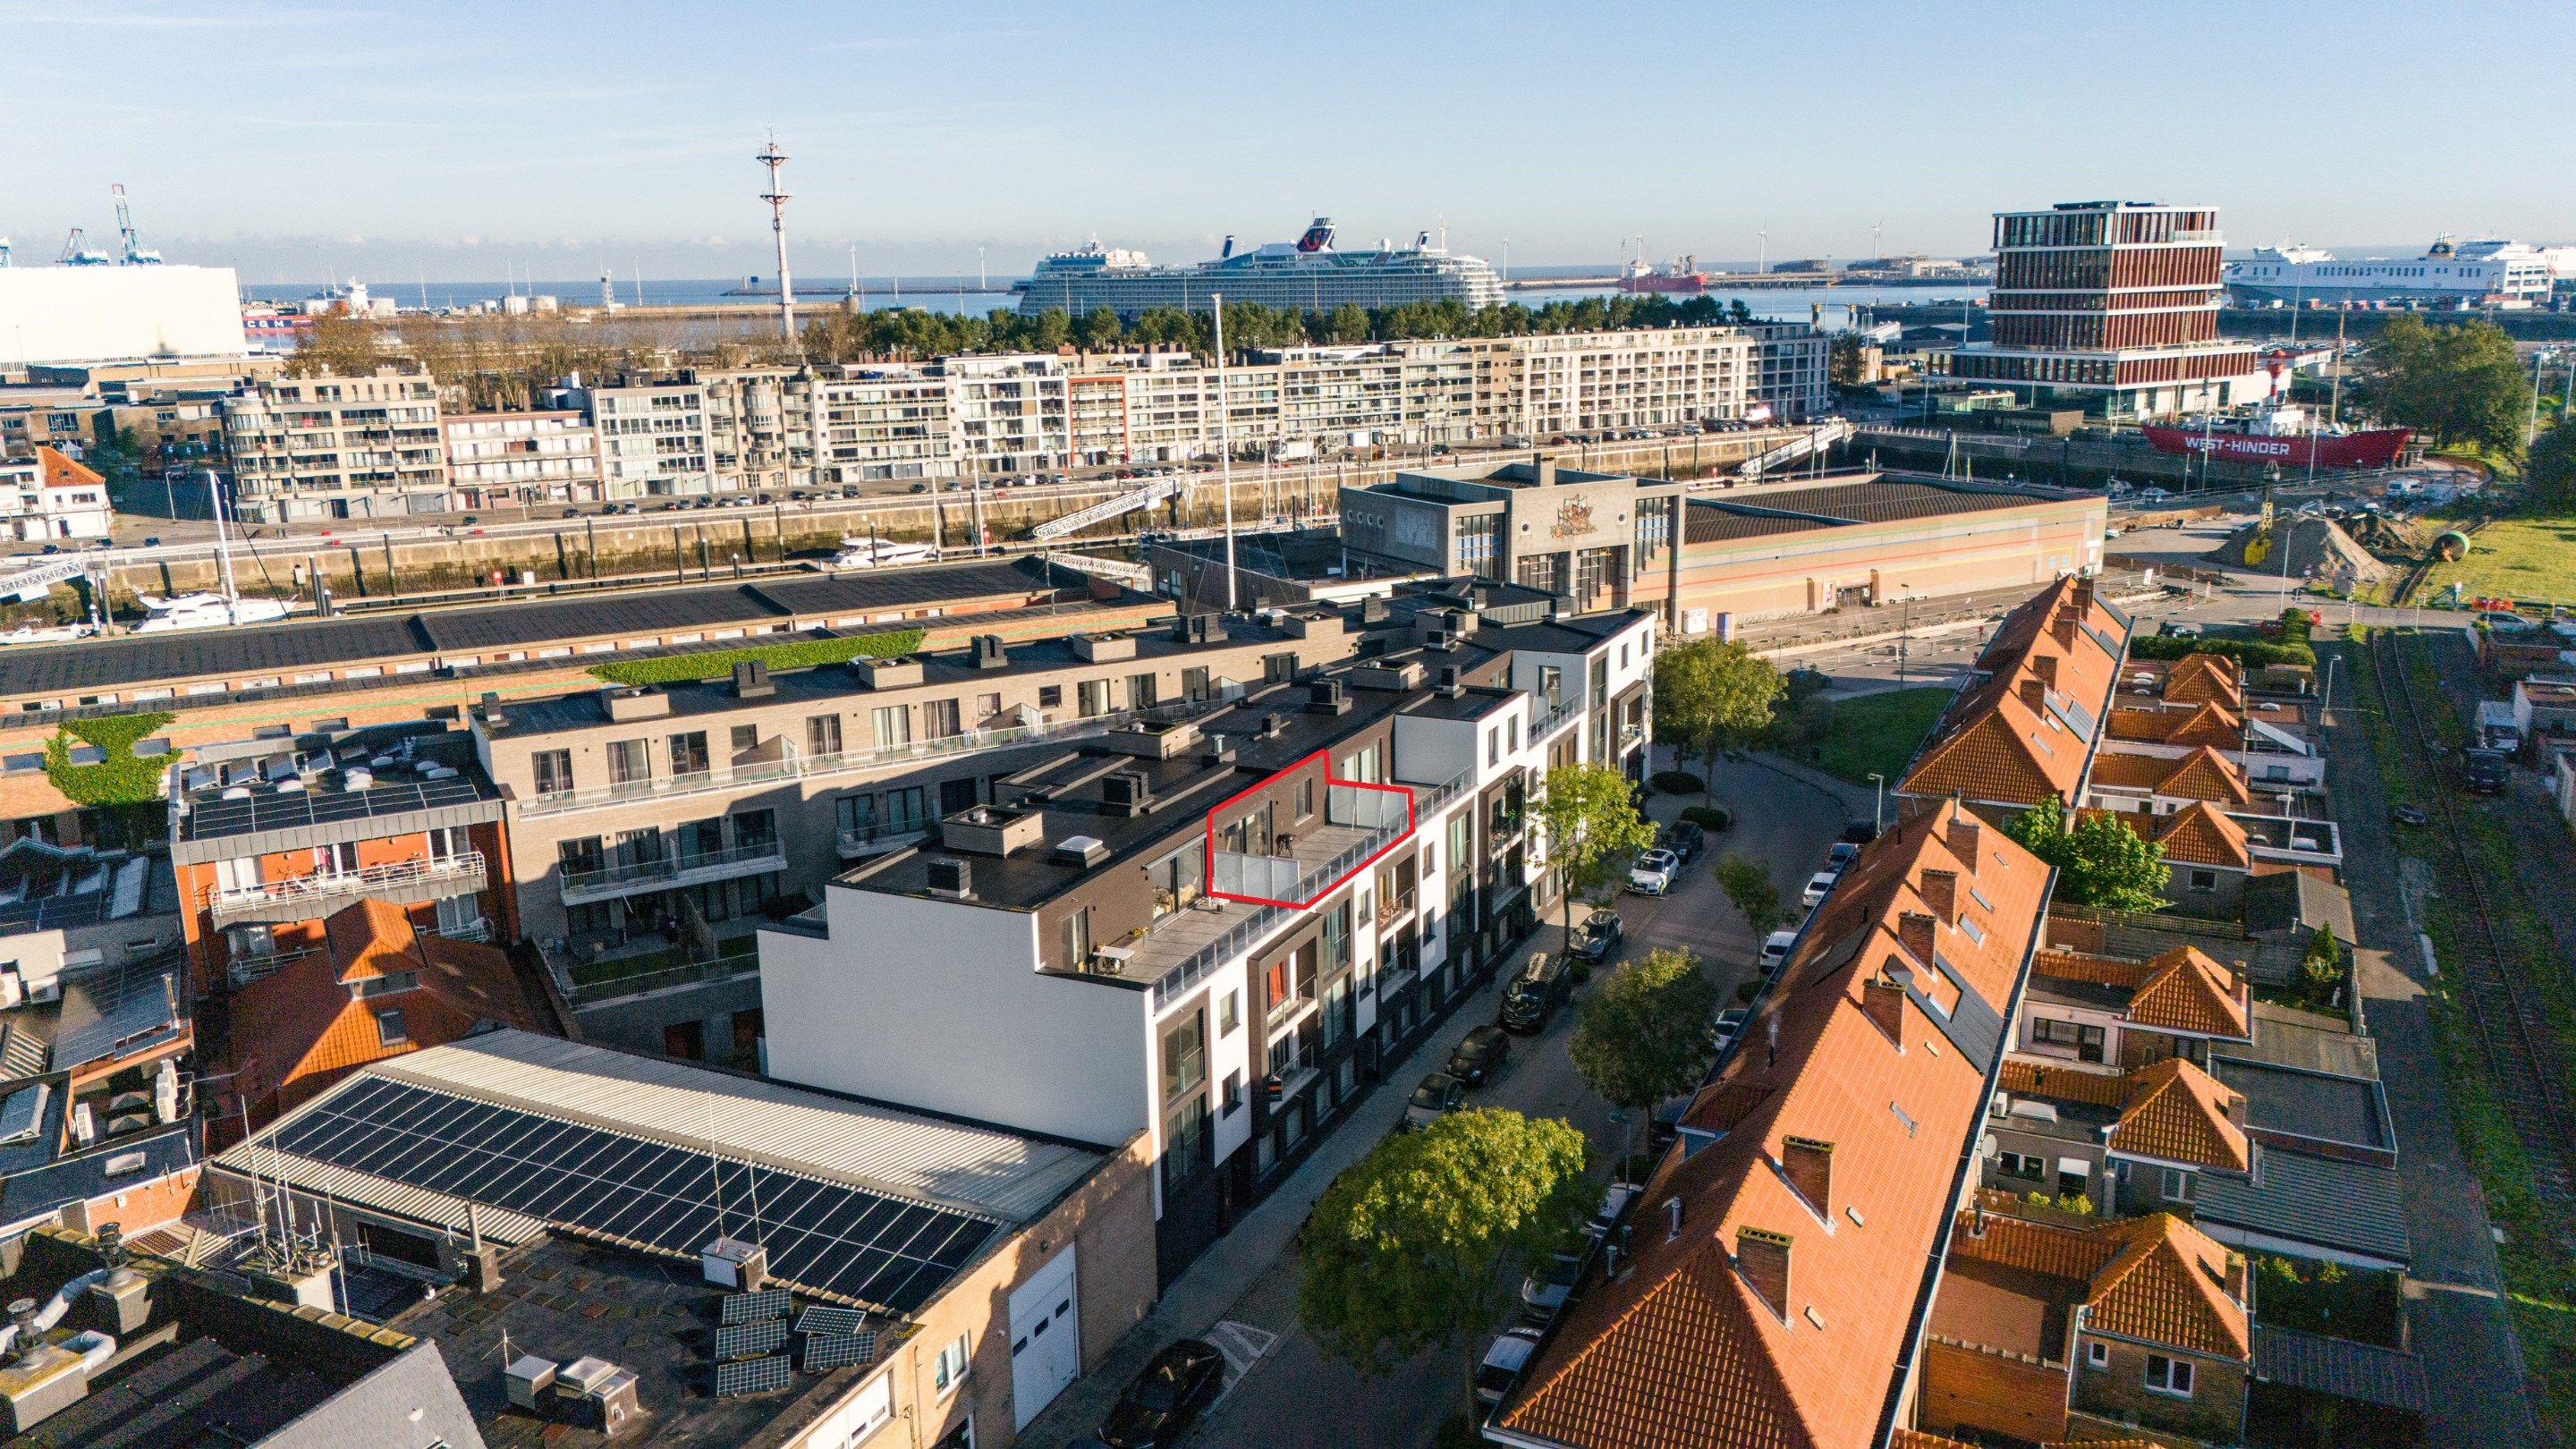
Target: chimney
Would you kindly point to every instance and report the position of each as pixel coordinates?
(1917, 933)
(2045, 666)
(751, 680)
(985, 651)
(2063, 626)
(2236, 1109)
(1763, 1258)
(1966, 835)
(1882, 1000)
(1941, 893)
(2084, 593)
(1809, 1166)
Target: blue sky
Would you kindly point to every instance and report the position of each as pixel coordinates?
(457, 138)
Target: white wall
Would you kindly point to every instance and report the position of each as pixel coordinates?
(937, 1004)
(92, 314)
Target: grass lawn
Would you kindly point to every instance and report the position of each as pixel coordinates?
(2516, 558)
(1878, 732)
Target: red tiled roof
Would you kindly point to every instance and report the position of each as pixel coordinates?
(2209, 723)
(1992, 744)
(2202, 834)
(2178, 1113)
(2204, 774)
(2025, 1078)
(1679, 1351)
(2195, 678)
(2155, 1278)
(63, 472)
(2191, 993)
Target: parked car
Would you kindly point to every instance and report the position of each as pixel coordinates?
(1615, 1200)
(1479, 1055)
(1597, 937)
(1686, 839)
(2484, 770)
(1503, 1363)
(1819, 885)
(1839, 858)
(1860, 832)
(1729, 1025)
(2153, 495)
(1653, 873)
(1534, 995)
(572, 513)
(152, 543)
(1775, 950)
(1166, 1397)
(1439, 1095)
(1545, 1291)
(2410, 815)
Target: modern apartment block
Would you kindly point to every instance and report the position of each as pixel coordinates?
(498, 460)
(1212, 930)
(337, 447)
(2113, 302)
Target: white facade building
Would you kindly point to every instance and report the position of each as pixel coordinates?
(50, 496)
(498, 459)
(101, 314)
(331, 447)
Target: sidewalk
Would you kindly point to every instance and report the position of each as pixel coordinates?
(1207, 1293)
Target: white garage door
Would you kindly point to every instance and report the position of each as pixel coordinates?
(1046, 1338)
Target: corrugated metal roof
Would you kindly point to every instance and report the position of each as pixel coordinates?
(256, 1159)
(983, 1170)
(2342, 1367)
(2353, 1206)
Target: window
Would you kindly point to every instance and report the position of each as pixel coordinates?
(2097, 1354)
(392, 983)
(1194, 683)
(1229, 1013)
(939, 719)
(1278, 668)
(755, 831)
(554, 771)
(1232, 1100)
(893, 726)
(1306, 798)
(2177, 1184)
(745, 738)
(1092, 697)
(2204, 880)
(949, 1369)
(1493, 747)
(689, 754)
(630, 762)
(1141, 691)
(2168, 1376)
(1077, 937)
(822, 735)
(2086, 1040)
(1513, 728)
(987, 706)
(2029, 1167)
(1184, 1057)
(1551, 683)
(1050, 696)
(389, 1027)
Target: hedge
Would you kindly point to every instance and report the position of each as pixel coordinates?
(121, 778)
(1678, 782)
(717, 664)
(1710, 818)
(2252, 653)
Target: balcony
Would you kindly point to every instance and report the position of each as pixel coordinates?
(867, 840)
(310, 897)
(626, 878)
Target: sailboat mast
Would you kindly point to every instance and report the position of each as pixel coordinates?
(223, 548)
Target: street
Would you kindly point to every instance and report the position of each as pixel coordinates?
(1243, 1294)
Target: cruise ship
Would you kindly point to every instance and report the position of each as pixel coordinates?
(1306, 274)
(2470, 273)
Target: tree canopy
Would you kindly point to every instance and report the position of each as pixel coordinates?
(1588, 816)
(2549, 474)
(1748, 885)
(1417, 1244)
(1711, 695)
(2101, 862)
(2456, 384)
(1647, 1032)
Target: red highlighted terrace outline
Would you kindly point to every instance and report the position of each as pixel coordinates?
(1330, 780)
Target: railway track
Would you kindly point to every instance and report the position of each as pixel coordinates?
(2511, 1026)
(2422, 569)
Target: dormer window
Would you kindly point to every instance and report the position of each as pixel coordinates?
(390, 984)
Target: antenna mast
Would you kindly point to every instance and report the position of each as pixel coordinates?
(1224, 449)
(773, 158)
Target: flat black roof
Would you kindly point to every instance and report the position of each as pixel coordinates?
(133, 659)
(1762, 510)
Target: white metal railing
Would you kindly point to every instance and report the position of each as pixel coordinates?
(227, 901)
(966, 742)
(1266, 919)
(1267, 876)
(668, 868)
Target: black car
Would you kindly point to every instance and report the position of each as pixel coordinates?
(2410, 815)
(1166, 1398)
(1860, 832)
(1684, 838)
(1479, 1055)
(1439, 1095)
(1597, 937)
(2484, 769)
(1535, 994)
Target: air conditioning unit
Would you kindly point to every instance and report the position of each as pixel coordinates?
(735, 1264)
(528, 1377)
(598, 1394)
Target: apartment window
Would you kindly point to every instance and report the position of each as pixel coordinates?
(2027, 1166)
(689, 754)
(1184, 1057)
(822, 735)
(2177, 1184)
(2204, 880)
(1551, 685)
(1229, 1013)
(339, 859)
(389, 1027)
(2168, 1376)
(1278, 668)
(755, 831)
(392, 983)
(1233, 1093)
(893, 726)
(987, 706)
(939, 719)
(1091, 697)
(554, 772)
(908, 808)
(1141, 692)
(630, 762)
(579, 855)
(2097, 1354)
(1306, 798)
(1050, 696)
(956, 795)
(2086, 1040)
(1512, 731)
(1493, 747)
(949, 1369)
(853, 813)
(1194, 683)
(745, 738)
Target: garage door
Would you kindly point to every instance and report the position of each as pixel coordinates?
(1046, 1339)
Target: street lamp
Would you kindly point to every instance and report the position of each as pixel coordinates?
(1878, 804)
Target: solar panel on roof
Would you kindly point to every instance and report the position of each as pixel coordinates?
(819, 1319)
(296, 810)
(752, 1376)
(751, 1340)
(838, 1350)
(766, 1304)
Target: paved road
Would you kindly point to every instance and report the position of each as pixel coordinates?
(1243, 1293)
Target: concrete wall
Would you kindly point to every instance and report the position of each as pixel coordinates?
(939, 1005)
(84, 314)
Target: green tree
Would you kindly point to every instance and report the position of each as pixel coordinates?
(1749, 887)
(2101, 862)
(1100, 331)
(2549, 474)
(2455, 383)
(1710, 695)
(1588, 817)
(1844, 370)
(2321, 969)
(1646, 1033)
(1418, 1244)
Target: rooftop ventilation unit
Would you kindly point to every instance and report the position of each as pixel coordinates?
(733, 1263)
(751, 680)
(599, 1394)
(1273, 725)
(1324, 696)
(1195, 628)
(1126, 793)
(1450, 686)
(1085, 851)
(528, 1377)
(952, 877)
(986, 652)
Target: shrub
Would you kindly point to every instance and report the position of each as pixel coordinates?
(1676, 782)
(1745, 991)
(119, 779)
(2252, 653)
(1710, 818)
(804, 653)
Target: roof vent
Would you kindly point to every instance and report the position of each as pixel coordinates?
(1373, 609)
(528, 1377)
(1126, 793)
(952, 878)
(1324, 696)
(1450, 686)
(1085, 851)
(1273, 725)
(986, 652)
(1216, 750)
(1195, 628)
(751, 680)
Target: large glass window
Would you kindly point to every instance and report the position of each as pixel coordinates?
(939, 719)
(689, 754)
(822, 735)
(893, 726)
(630, 762)
(554, 772)
(1091, 696)
(1184, 1056)
(755, 831)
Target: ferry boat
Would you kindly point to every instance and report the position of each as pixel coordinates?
(1307, 274)
(2484, 272)
(2285, 435)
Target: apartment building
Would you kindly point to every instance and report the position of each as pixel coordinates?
(1212, 931)
(271, 836)
(51, 496)
(653, 437)
(330, 447)
(500, 460)
(1583, 537)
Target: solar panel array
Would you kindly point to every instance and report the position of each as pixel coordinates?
(838, 1350)
(297, 809)
(819, 1319)
(751, 1376)
(821, 1236)
(754, 1307)
(751, 1340)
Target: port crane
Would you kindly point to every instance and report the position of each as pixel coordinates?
(135, 255)
(76, 255)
